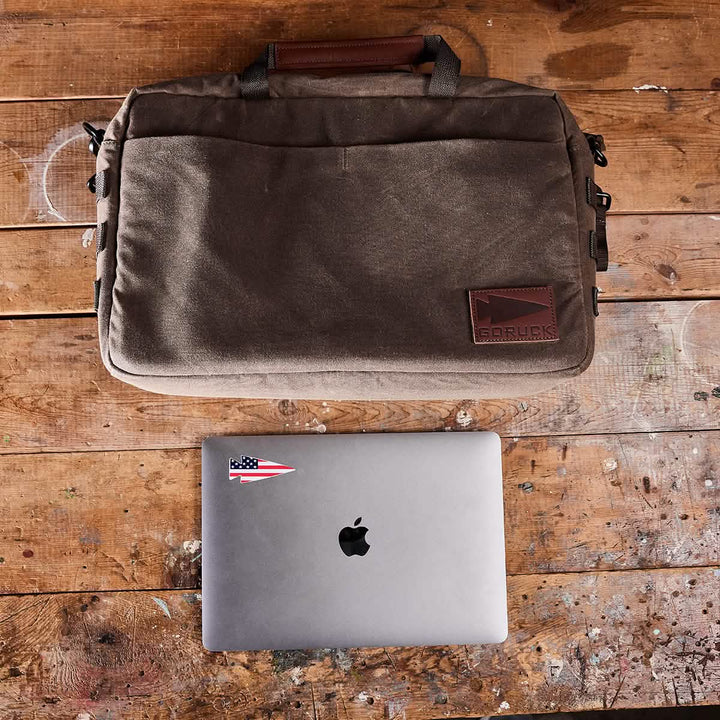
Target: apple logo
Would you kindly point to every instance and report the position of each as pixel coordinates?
(352, 539)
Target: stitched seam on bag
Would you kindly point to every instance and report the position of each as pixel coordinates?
(571, 143)
(120, 143)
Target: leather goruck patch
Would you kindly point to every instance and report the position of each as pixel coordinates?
(513, 315)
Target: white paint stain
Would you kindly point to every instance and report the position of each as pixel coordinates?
(396, 709)
(162, 605)
(555, 666)
(463, 418)
(504, 705)
(489, 23)
(610, 464)
(87, 237)
(594, 633)
(191, 546)
(695, 451)
(84, 716)
(296, 676)
(363, 696)
(656, 631)
(656, 88)
(52, 210)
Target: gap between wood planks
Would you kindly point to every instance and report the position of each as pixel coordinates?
(519, 576)
(180, 448)
(661, 90)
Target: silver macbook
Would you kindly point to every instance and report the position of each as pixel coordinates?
(352, 541)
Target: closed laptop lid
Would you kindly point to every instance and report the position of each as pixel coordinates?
(352, 541)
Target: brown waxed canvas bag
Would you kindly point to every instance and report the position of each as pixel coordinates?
(300, 230)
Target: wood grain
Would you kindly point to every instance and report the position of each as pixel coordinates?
(670, 141)
(46, 271)
(577, 641)
(89, 521)
(656, 367)
(651, 257)
(68, 49)
(661, 256)
(612, 502)
(99, 521)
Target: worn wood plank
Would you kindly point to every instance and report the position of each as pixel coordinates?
(612, 502)
(46, 271)
(656, 367)
(577, 641)
(73, 49)
(662, 256)
(89, 521)
(652, 257)
(671, 141)
(99, 521)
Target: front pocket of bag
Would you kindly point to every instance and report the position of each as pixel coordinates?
(242, 258)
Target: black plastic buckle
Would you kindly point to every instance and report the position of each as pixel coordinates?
(597, 147)
(604, 199)
(96, 137)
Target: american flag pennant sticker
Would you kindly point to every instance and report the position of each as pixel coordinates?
(249, 469)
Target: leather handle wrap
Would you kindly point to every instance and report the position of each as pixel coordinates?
(375, 52)
(371, 53)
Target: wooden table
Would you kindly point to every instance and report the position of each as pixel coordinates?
(612, 480)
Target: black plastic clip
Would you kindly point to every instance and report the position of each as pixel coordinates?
(597, 147)
(96, 138)
(604, 199)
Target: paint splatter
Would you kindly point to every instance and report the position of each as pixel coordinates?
(656, 88)
(504, 705)
(87, 238)
(191, 546)
(610, 464)
(463, 418)
(296, 676)
(162, 605)
(594, 633)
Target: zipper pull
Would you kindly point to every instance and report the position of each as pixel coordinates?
(597, 147)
